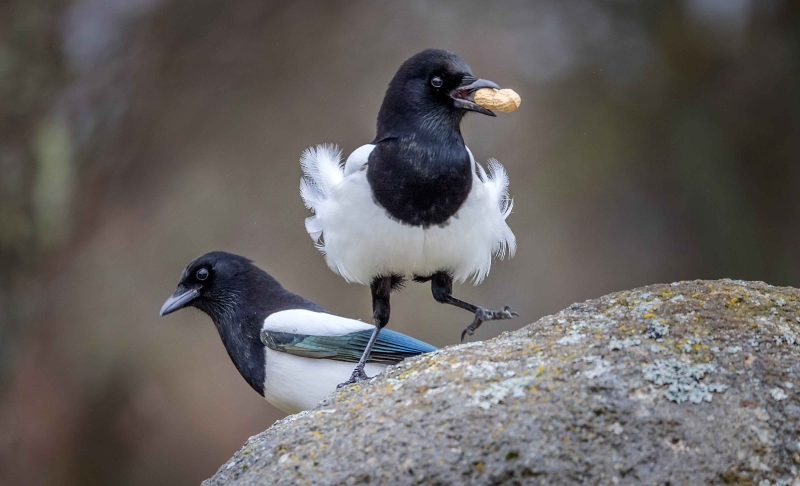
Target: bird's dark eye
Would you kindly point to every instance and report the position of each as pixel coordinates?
(436, 82)
(202, 274)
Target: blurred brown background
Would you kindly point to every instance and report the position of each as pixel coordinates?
(657, 141)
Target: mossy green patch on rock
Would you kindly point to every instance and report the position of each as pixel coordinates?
(685, 383)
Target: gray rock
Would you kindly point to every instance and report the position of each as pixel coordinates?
(559, 402)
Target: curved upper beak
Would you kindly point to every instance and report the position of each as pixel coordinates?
(469, 85)
(179, 300)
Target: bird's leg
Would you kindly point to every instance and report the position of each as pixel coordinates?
(381, 289)
(359, 374)
(442, 289)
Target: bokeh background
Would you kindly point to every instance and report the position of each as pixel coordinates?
(657, 141)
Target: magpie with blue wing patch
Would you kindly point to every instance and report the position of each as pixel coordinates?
(288, 349)
(413, 203)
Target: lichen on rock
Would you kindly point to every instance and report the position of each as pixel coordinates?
(683, 380)
(684, 383)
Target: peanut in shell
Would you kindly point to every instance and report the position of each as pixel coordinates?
(505, 100)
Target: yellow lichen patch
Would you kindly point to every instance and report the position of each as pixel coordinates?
(497, 432)
(539, 370)
(649, 315)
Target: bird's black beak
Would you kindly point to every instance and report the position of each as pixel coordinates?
(179, 299)
(469, 85)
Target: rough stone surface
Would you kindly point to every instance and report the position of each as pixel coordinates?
(684, 383)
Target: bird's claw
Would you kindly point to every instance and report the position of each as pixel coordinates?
(482, 315)
(508, 313)
(358, 375)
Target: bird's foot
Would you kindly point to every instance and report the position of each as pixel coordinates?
(357, 376)
(483, 314)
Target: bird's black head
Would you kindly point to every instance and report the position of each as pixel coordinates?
(237, 296)
(214, 283)
(431, 88)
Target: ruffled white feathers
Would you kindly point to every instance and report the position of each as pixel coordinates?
(361, 242)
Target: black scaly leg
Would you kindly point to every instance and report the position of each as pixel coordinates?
(442, 289)
(381, 289)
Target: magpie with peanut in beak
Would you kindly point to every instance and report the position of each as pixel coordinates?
(288, 349)
(414, 203)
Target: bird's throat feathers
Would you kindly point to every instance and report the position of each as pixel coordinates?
(238, 312)
(240, 334)
(435, 123)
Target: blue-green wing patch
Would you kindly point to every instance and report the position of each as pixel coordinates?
(390, 348)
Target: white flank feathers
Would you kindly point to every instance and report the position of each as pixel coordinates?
(360, 241)
(294, 383)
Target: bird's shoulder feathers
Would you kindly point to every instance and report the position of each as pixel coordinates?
(358, 159)
(304, 321)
